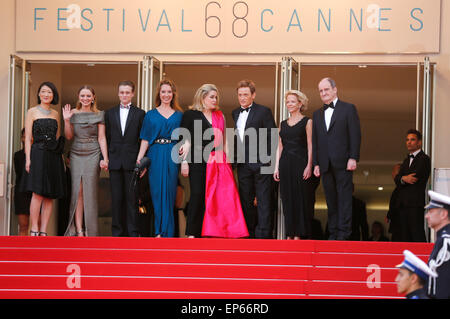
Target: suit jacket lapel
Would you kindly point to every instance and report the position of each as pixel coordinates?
(130, 116)
(116, 114)
(235, 115)
(413, 163)
(321, 121)
(251, 114)
(333, 117)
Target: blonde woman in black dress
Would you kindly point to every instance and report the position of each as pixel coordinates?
(44, 166)
(294, 164)
(86, 126)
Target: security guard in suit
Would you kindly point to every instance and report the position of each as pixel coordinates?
(438, 218)
(412, 276)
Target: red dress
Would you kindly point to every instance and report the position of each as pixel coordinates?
(223, 211)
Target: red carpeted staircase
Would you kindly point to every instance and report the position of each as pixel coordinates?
(106, 267)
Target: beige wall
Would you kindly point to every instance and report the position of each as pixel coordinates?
(441, 156)
(8, 46)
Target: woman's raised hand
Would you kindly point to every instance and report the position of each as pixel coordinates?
(67, 112)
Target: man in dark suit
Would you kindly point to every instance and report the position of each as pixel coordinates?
(411, 182)
(123, 126)
(336, 144)
(253, 124)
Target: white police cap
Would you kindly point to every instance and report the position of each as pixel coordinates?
(438, 200)
(416, 265)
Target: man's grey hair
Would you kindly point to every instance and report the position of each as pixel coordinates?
(332, 82)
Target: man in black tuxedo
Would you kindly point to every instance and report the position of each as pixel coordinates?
(336, 144)
(123, 126)
(254, 122)
(411, 183)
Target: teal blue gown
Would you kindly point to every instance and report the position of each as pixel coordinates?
(163, 171)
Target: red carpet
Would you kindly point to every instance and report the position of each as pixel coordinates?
(175, 268)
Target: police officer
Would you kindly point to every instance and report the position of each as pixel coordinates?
(438, 218)
(412, 276)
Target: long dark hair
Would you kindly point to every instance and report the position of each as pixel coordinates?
(54, 91)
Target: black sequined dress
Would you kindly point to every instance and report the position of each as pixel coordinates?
(46, 176)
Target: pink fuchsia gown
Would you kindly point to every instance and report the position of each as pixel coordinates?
(223, 212)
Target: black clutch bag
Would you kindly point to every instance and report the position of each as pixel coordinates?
(56, 146)
(144, 163)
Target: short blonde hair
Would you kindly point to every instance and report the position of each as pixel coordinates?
(301, 97)
(197, 104)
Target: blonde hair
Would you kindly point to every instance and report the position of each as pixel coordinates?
(94, 102)
(301, 97)
(197, 103)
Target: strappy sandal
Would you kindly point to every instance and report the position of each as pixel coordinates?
(34, 233)
(80, 232)
(42, 233)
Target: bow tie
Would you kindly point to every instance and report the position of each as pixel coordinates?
(125, 106)
(411, 156)
(325, 106)
(245, 110)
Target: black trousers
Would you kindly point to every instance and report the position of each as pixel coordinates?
(337, 184)
(252, 183)
(123, 204)
(196, 205)
(411, 224)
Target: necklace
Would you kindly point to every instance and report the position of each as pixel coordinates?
(44, 111)
(296, 118)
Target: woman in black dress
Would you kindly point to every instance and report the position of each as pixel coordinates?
(44, 165)
(192, 151)
(294, 164)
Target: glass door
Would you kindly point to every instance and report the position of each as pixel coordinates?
(149, 74)
(289, 79)
(428, 71)
(426, 121)
(18, 103)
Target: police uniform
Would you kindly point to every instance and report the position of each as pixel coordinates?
(439, 260)
(417, 266)
(418, 294)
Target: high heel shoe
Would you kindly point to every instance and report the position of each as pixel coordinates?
(80, 233)
(42, 233)
(34, 233)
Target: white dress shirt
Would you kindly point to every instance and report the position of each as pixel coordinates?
(329, 113)
(241, 122)
(415, 154)
(123, 117)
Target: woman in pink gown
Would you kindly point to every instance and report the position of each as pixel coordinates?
(223, 211)
(214, 208)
